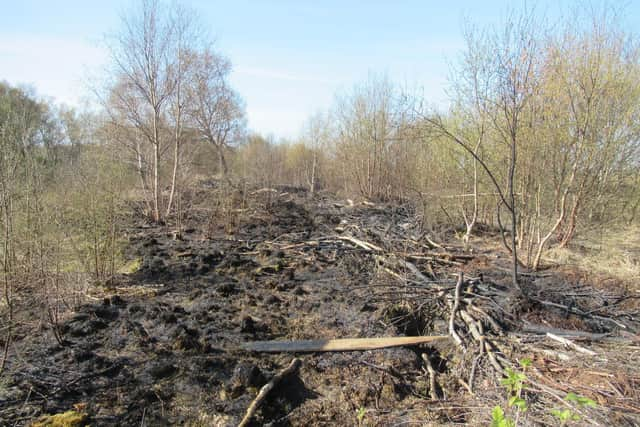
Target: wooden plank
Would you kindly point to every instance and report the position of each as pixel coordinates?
(347, 344)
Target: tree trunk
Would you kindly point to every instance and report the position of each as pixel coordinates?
(224, 169)
(174, 175)
(536, 261)
(571, 227)
(143, 180)
(514, 224)
(156, 183)
(474, 217)
(312, 184)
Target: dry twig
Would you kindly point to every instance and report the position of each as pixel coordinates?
(454, 309)
(251, 410)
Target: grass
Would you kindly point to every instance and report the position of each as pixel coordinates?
(614, 253)
(66, 419)
(131, 266)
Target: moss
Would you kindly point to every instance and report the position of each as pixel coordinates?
(66, 419)
(131, 266)
(269, 268)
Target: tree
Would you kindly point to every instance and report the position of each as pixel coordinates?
(316, 134)
(216, 110)
(144, 99)
(471, 85)
(585, 119)
(369, 137)
(594, 73)
(506, 76)
(29, 137)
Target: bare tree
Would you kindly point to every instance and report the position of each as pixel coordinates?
(369, 137)
(189, 35)
(216, 110)
(315, 137)
(470, 82)
(145, 98)
(505, 78)
(587, 130)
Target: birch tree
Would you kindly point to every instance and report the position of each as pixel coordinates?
(216, 110)
(144, 97)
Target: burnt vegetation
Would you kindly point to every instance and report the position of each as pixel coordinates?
(145, 246)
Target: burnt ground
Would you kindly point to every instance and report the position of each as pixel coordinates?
(162, 345)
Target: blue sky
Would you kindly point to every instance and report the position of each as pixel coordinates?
(290, 57)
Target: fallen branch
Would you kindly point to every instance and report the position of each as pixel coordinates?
(543, 330)
(412, 268)
(571, 344)
(251, 410)
(347, 344)
(360, 243)
(263, 190)
(456, 304)
(440, 260)
(432, 377)
(432, 243)
(489, 319)
(475, 327)
(579, 312)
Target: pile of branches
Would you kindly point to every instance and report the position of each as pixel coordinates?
(563, 339)
(576, 340)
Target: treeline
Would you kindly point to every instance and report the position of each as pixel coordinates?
(61, 199)
(542, 137)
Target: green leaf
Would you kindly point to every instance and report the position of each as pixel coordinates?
(580, 400)
(518, 402)
(526, 362)
(571, 397)
(585, 401)
(563, 415)
(497, 417)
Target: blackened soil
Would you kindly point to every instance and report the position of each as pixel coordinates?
(163, 346)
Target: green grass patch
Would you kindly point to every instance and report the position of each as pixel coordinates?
(131, 266)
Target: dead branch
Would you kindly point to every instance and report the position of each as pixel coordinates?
(264, 190)
(432, 377)
(360, 243)
(543, 330)
(456, 304)
(293, 367)
(579, 312)
(571, 344)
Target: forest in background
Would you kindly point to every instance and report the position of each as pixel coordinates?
(541, 142)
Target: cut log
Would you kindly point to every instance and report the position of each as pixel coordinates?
(347, 344)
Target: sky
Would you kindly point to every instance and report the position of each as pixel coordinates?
(290, 57)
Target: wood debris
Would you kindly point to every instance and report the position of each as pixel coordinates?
(346, 344)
